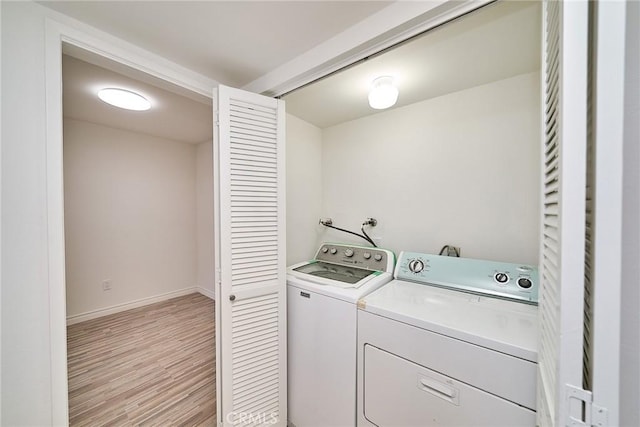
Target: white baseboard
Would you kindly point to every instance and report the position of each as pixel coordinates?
(77, 318)
(206, 292)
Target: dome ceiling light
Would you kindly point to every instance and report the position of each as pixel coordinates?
(123, 98)
(383, 93)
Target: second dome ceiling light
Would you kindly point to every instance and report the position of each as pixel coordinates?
(383, 93)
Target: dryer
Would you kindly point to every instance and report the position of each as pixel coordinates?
(449, 342)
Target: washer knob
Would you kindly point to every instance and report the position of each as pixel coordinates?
(501, 277)
(416, 265)
(377, 257)
(348, 253)
(366, 255)
(325, 249)
(334, 251)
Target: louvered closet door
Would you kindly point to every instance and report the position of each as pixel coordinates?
(562, 258)
(250, 259)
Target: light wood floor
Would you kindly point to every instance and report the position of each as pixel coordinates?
(153, 365)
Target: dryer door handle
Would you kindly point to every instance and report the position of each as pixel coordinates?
(438, 388)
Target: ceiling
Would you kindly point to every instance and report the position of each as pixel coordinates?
(496, 42)
(172, 115)
(232, 42)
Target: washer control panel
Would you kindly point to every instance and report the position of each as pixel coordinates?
(368, 258)
(515, 282)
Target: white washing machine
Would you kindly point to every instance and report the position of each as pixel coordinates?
(449, 342)
(321, 320)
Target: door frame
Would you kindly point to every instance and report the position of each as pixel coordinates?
(124, 53)
(610, 34)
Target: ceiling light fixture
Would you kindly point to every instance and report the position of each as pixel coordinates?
(383, 93)
(123, 98)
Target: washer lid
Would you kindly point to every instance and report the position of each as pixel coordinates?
(333, 276)
(501, 325)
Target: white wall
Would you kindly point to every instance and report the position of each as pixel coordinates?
(130, 216)
(461, 169)
(205, 277)
(304, 189)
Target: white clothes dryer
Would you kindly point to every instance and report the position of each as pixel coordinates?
(321, 337)
(449, 342)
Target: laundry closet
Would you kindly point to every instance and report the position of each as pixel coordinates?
(451, 164)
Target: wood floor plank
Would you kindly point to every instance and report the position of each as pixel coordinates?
(152, 366)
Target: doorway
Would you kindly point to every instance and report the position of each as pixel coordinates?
(138, 248)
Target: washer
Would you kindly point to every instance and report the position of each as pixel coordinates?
(449, 342)
(321, 318)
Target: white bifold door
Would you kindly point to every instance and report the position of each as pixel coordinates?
(580, 261)
(564, 199)
(251, 328)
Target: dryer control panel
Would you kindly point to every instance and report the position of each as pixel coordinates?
(517, 282)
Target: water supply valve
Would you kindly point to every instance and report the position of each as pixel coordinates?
(325, 221)
(370, 221)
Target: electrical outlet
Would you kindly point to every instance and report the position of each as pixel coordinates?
(106, 285)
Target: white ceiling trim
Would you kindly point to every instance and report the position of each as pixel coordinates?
(392, 25)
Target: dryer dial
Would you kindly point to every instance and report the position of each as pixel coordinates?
(501, 277)
(416, 265)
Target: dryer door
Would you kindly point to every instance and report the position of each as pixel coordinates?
(426, 398)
